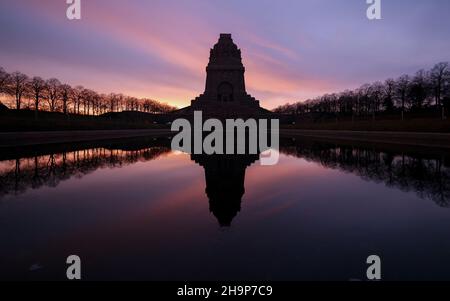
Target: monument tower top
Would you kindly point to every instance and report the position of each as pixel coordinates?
(225, 71)
(225, 83)
(225, 94)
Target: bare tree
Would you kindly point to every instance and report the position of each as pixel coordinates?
(388, 95)
(364, 99)
(53, 87)
(439, 75)
(104, 104)
(88, 100)
(4, 80)
(418, 91)
(96, 103)
(376, 94)
(77, 98)
(115, 102)
(120, 102)
(402, 86)
(37, 89)
(17, 87)
(67, 94)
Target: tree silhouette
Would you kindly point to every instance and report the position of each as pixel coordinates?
(77, 98)
(4, 80)
(402, 86)
(37, 88)
(418, 90)
(388, 95)
(67, 94)
(17, 87)
(53, 89)
(439, 76)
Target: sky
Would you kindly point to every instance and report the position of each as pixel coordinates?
(292, 49)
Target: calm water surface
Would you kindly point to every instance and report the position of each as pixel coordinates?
(136, 210)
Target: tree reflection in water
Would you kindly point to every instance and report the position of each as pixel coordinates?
(424, 171)
(19, 174)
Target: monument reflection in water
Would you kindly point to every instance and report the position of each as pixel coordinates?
(225, 177)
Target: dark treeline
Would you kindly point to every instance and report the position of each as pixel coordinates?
(428, 176)
(424, 92)
(16, 176)
(51, 95)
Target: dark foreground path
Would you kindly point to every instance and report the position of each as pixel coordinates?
(405, 138)
(13, 139)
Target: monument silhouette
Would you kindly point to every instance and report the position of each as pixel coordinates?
(225, 96)
(225, 93)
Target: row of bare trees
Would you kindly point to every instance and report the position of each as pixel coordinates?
(423, 91)
(51, 95)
